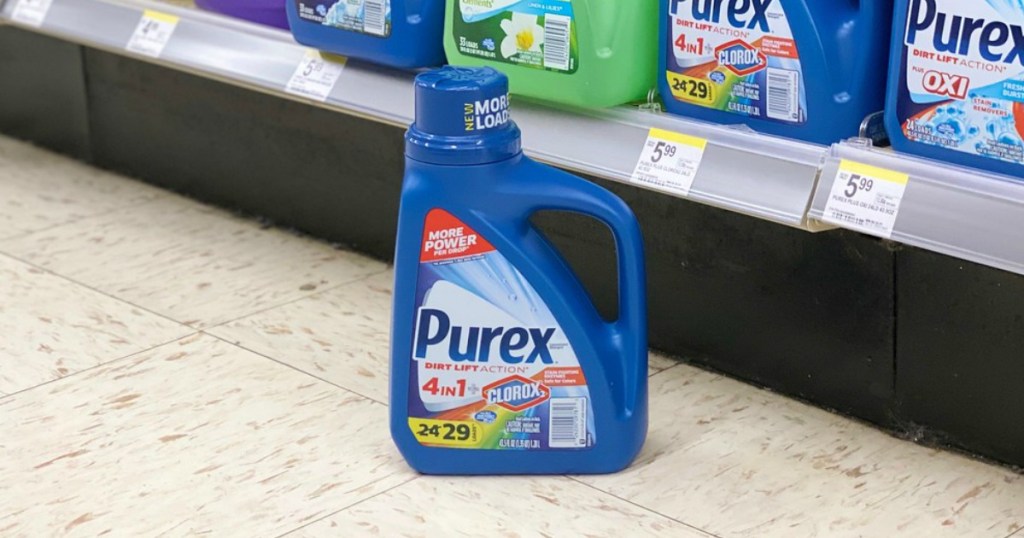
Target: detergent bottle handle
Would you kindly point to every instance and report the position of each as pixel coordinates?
(867, 12)
(628, 334)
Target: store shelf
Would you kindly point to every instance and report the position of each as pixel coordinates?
(606, 144)
(956, 211)
(959, 212)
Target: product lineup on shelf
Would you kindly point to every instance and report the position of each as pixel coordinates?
(803, 69)
(500, 362)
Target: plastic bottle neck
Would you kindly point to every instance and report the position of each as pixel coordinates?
(463, 150)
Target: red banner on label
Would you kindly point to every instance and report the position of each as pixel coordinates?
(448, 238)
(562, 376)
(779, 47)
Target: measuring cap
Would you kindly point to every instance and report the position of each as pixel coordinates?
(462, 118)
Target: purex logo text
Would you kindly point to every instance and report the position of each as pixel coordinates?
(513, 345)
(735, 12)
(996, 40)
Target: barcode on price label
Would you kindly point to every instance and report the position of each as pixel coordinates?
(30, 12)
(669, 162)
(315, 76)
(866, 198)
(152, 33)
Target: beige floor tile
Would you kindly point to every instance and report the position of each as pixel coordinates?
(197, 437)
(340, 335)
(40, 189)
(192, 263)
(51, 327)
(744, 462)
(508, 507)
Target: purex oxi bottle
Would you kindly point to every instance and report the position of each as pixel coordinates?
(500, 363)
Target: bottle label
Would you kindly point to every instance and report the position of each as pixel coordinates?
(963, 77)
(737, 57)
(371, 17)
(490, 369)
(539, 34)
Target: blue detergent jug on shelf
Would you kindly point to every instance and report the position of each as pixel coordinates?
(500, 363)
(805, 69)
(956, 82)
(397, 33)
(268, 12)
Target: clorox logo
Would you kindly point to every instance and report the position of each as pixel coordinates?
(741, 58)
(516, 393)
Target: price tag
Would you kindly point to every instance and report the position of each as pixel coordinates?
(152, 33)
(315, 76)
(669, 162)
(866, 198)
(31, 12)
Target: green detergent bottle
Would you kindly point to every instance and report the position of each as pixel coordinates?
(587, 53)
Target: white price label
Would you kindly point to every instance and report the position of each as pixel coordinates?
(31, 12)
(669, 162)
(152, 33)
(866, 198)
(315, 76)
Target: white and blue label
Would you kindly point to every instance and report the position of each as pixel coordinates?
(963, 77)
(371, 17)
(539, 34)
(491, 367)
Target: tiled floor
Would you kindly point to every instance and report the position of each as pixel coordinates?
(169, 369)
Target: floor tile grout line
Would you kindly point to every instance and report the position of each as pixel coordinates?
(162, 194)
(350, 506)
(297, 369)
(1018, 532)
(103, 364)
(179, 322)
(676, 365)
(297, 299)
(95, 290)
(642, 507)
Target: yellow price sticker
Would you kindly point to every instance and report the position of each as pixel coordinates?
(691, 89)
(875, 172)
(453, 433)
(679, 138)
(161, 17)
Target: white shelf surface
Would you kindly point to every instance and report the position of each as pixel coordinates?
(954, 211)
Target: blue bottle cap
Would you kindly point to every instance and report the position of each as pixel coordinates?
(462, 118)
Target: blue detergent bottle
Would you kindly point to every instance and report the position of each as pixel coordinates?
(956, 82)
(805, 69)
(500, 363)
(397, 33)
